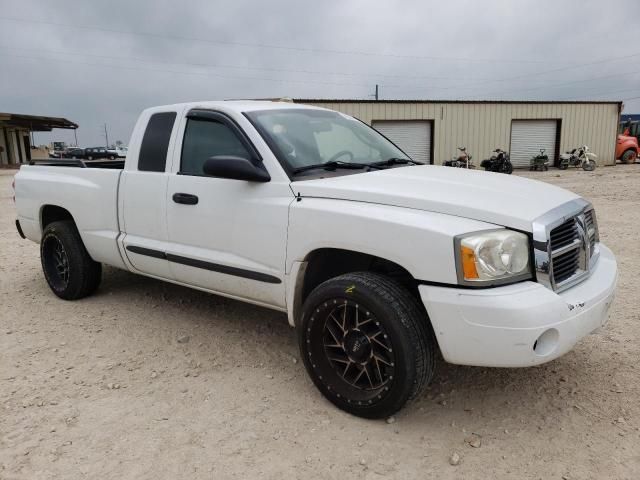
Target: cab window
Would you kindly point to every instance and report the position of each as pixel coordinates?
(204, 139)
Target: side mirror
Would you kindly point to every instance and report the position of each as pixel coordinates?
(235, 168)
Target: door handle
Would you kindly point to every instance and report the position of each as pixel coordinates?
(185, 198)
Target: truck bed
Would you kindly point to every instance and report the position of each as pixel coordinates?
(87, 190)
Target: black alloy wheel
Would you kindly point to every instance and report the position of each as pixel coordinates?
(55, 262)
(366, 343)
(68, 268)
(357, 346)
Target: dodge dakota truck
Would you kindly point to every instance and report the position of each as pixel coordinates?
(378, 261)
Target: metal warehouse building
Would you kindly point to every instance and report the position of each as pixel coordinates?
(430, 131)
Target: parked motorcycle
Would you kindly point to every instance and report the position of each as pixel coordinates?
(578, 157)
(461, 161)
(499, 162)
(540, 161)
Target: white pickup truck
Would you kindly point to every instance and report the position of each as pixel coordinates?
(378, 261)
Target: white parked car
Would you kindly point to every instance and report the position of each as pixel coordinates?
(378, 261)
(121, 152)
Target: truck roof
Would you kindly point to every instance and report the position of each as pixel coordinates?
(236, 105)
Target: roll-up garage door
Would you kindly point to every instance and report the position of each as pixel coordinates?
(413, 137)
(529, 136)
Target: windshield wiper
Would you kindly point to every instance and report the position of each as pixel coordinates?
(333, 165)
(394, 161)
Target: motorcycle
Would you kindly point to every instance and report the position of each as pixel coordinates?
(499, 162)
(461, 161)
(540, 161)
(578, 157)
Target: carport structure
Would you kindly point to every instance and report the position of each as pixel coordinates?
(15, 134)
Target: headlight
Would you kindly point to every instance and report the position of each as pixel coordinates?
(494, 257)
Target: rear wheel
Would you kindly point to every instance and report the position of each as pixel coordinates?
(629, 156)
(366, 344)
(69, 270)
(563, 166)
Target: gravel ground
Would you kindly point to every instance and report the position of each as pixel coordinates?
(147, 380)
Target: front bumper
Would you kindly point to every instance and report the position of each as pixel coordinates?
(522, 324)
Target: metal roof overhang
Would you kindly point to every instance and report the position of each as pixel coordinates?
(35, 123)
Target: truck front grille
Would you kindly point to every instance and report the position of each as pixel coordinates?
(564, 235)
(569, 248)
(565, 265)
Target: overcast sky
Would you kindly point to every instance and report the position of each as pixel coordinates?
(97, 62)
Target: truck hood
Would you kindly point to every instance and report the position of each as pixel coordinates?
(496, 198)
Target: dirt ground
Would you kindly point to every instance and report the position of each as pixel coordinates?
(110, 387)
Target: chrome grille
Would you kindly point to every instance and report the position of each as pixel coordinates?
(565, 265)
(565, 244)
(564, 235)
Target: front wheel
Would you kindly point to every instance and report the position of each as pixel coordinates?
(69, 270)
(629, 156)
(563, 166)
(589, 165)
(366, 343)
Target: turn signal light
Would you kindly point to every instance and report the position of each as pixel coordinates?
(469, 263)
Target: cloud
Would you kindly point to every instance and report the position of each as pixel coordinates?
(103, 62)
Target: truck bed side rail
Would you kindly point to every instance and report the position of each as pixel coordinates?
(75, 162)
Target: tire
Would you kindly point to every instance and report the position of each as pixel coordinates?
(629, 156)
(69, 270)
(563, 166)
(397, 367)
(589, 166)
(507, 168)
(111, 157)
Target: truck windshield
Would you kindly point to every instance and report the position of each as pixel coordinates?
(304, 139)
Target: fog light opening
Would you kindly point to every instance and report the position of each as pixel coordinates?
(546, 343)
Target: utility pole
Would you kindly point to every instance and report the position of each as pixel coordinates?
(376, 92)
(106, 135)
(75, 135)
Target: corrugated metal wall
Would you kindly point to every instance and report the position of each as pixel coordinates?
(482, 127)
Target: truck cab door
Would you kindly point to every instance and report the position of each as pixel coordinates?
(143, 195)
(226, 236)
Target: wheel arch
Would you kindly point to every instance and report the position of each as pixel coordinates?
(323, 264)
(53, 213)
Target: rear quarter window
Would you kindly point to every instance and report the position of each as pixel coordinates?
(155, 143)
